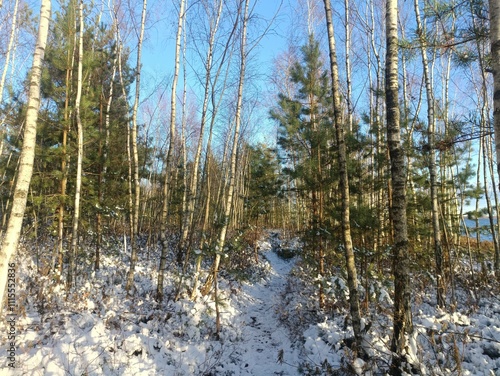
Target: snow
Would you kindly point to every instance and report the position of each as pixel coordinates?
(271, 324)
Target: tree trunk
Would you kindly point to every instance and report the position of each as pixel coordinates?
(438, 248)
(134, 215)
(206, 168)
(352, 278)
(193, 190)
(495, 64)
(168, 160)
(64, 158)
(232, 167)
(350, 110)
(13, 232)
(186, 218)
(103, 168)
(78, 184)
(402, 321)
(7, 55)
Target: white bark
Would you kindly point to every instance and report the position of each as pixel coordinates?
(438, 253)
(402, 322)
(193, 190)
(227, 55)
(78, 184)
(12, 235)
(4, 73)
(495, 64)
(352, 278)
(348, 65)
(9, 49)
(64, 156)
(168, 160)
(134, 228)
(232, 172)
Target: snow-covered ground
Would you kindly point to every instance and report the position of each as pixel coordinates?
(262, 340)
(271, 325)
(100, 331)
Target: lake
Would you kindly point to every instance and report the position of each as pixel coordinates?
(484, 228)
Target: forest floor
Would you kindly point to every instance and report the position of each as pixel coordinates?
(271, 324)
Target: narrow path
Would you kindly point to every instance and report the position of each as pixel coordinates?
(264, 340)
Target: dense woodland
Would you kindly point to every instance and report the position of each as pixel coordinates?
(371, 138)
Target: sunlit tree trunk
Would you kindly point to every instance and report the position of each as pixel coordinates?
(495, 64)
(119, 55)
(484, 107)
(7, 59)
(168, 160)
(26, 159)
(104, 166)
(402, 321)
(185, 218)
(193, 190)
(206, 179)
(352, 278)
(64, 153)
(229, 196)
(348, 65)
(380, 197)
(431, 155)
(78, 183)
(411, 122)
(134, 215)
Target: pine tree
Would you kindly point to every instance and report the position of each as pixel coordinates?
(305, 137)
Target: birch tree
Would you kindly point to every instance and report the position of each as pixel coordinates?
(495, 65)
(431, 157)
(78, 184)
(103, 167)
(229, 196)
(10, 47)
(134, 215)
(70, 62)
(402, 321)
(168, 159)
(352, 278)
(216, 97)
(7, 56)
(13, 232)
(193, 190)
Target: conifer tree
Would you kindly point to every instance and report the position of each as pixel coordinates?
(305, 135)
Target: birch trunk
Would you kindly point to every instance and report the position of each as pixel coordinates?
(58, 252)
(207, 164)
(2, 86)
(352, 278)
(402, 321)
(168, 160)
(232, 167)
(350, 109)
(185, 219)
(134, 216)
(103, 165)
(495, 64)
(13, 232)
(193, 190)
(78, 184)
(7, 55)
(438, 248)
